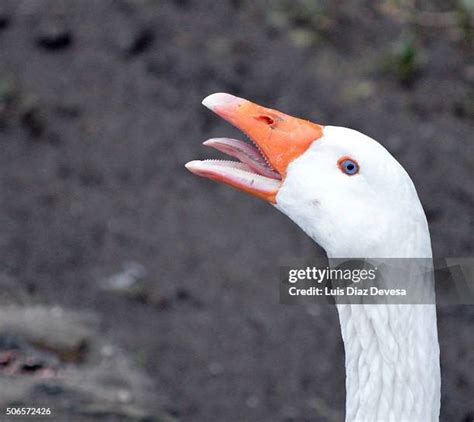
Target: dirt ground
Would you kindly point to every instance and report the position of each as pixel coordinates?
(99, 111)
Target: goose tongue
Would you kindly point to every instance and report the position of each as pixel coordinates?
(280, 139)
(245, 153)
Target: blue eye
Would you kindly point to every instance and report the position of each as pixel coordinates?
(348, 166)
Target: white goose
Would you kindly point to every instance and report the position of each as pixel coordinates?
(311, 173)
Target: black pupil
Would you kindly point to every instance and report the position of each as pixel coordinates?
(350, 167)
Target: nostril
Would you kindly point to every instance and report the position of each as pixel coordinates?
(265, 119)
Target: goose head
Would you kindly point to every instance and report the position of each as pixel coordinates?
(343, 188)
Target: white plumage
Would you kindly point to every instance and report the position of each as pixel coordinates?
(391, 351)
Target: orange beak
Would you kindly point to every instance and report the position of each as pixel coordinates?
(279, 138)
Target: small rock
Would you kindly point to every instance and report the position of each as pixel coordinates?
(107, 350)
(54, 36)
(142, 41)
(124, 396)
(130, 281)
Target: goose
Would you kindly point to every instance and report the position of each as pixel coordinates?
(354, 199)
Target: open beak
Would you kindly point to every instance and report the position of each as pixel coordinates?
(278, 139)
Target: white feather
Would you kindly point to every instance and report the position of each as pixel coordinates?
(392, 351)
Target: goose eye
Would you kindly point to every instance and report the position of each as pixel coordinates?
(348, 166)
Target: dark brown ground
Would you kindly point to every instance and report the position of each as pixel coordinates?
(100, 109)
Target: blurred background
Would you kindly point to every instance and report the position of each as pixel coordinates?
(132, 290)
